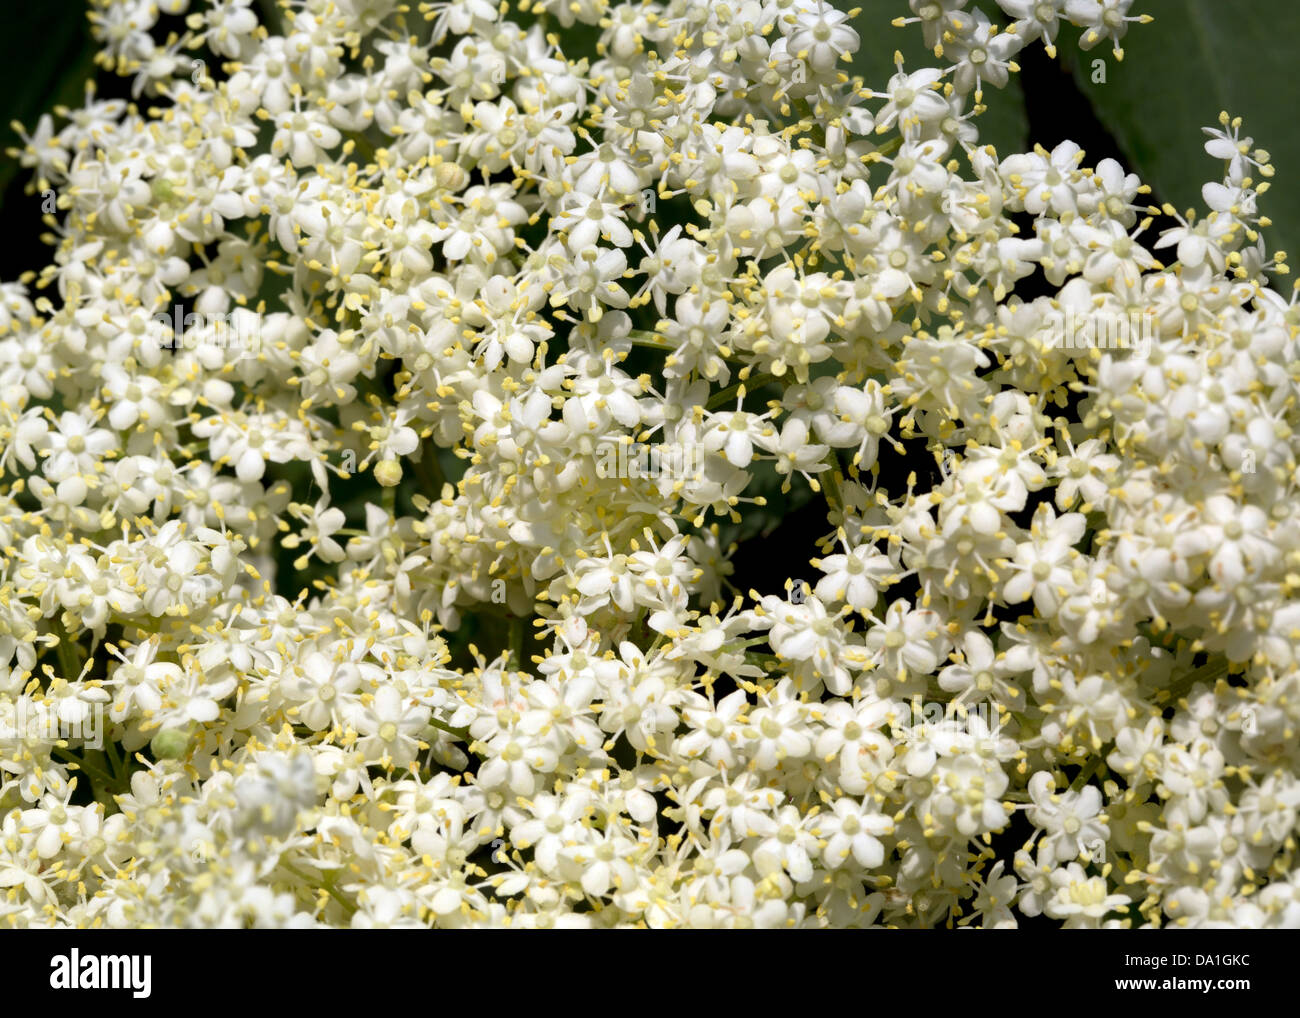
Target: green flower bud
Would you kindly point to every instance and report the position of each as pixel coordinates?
(170, 744)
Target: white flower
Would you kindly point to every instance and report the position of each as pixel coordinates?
(1080, 899)
(856, 577)
(819, 35)
(1069, 819)
(851, 829)
(1043, 565)
(389, 726)
(271, 793)
(393, 628)
(53, 822)
(325, 690)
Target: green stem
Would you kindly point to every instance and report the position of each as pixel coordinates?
(121, 768)
(725, 396)
(326, 883)
(891, 146)
(1206, 673)
(1084, 775)
(70, 662)
(651, 340)
(442, 726)
(517, 634)
(831, 485)
(98, 775)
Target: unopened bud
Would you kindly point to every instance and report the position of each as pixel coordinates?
(169, 744)
(450, 176)
(388, 473)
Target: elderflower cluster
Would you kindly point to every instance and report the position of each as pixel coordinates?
(387, 618)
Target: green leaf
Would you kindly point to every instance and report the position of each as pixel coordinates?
(1199, 57)
(46, 56)
(762, 521)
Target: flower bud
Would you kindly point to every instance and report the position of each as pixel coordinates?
(388, 473)
(170, 744)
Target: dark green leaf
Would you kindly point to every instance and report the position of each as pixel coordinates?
(46, 57)
(1199, 57)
